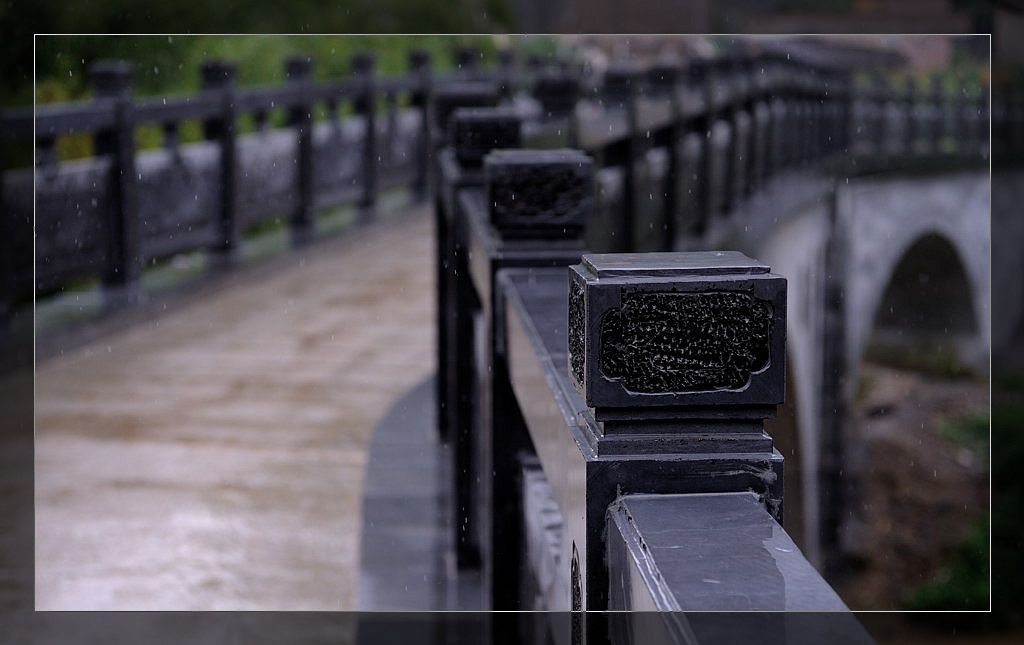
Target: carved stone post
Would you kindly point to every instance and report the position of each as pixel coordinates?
(219, 76)
(299, 73)
(556, 91)
(981, 111)
(366, 105)
(473, 132)
(679, 358)
(936, 111)
(743, 131)
(506, 59)
(112, 80)
(467, 59)
(878, 102)
(620, 88)
(448, 97)
(722, 136)
(8, 283)
(910, 116)
(760, 112)
(663, 81)
(839, 100)
(531, 213)
(781, 115)
(419, 67)
(443, 101)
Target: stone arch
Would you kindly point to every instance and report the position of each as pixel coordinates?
(927, 305)
(882, 223)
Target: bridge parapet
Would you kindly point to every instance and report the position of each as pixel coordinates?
(658, 168)
(604, 432)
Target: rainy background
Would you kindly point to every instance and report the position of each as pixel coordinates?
(207, 449)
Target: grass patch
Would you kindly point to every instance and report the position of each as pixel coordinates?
(924, 356)
(970, 431)
(964, 584)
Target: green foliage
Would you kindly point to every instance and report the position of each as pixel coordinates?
(924, 356)
(970, 431)
(1007, 502)
(170, 64)
(63, 58)
(964, 585)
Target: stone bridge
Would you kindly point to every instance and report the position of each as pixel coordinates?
(876, 245)
(909, 254)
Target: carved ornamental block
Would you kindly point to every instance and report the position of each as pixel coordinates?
(539, 193)
(474, 132)
(676, 329)
(556, 91)
(446, 98)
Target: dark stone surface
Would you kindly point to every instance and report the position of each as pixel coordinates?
(640, 342)
(556, 91)
(495, 514)
(474, 132)
(678, 329)
(533, 193)
(736, 557)
(447, 97)
(588, 464)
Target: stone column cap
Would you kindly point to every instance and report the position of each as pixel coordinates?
(671, 264)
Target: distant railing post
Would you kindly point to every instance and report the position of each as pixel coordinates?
(936, 111)
(700, 77)
(620, 88)
(473, 133)
(910, 124)
(7, 281)
(445, 99)
(845, 98)
(219, 76)
(805, 135)
(775, 154)
(729, 84)
(299, 74)
(816, 103)
(419, 98)
(466, 59)
(760, 123)
(722, 137)
(879, 93)
(506, 58)
(981, 129)
(112, 80)
(542, 198)
(556, 91)
(664, 81)
(363, 65)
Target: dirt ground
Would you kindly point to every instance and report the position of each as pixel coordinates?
(213, 458)
(920, 492)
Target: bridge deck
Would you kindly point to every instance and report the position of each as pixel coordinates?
(213, 457)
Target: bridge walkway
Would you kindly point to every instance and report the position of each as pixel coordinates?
(213, 457)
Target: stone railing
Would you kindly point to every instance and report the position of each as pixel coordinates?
(609, 407)
(676, 147)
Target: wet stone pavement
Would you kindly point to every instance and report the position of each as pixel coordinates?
(213, 457)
